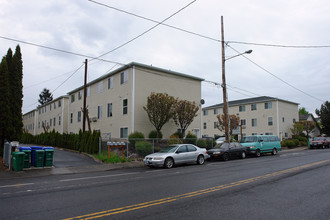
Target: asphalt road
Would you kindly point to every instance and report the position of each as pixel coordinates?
(290, 185)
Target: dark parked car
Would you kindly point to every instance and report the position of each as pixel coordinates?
(320, 142)
(226, 151)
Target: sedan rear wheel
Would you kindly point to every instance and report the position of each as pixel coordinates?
(200, 160)
(169, 163)
(243, 155)
(225, 157)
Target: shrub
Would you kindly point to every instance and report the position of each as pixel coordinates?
(174, 139)
(179, 134)
(290, 143)
(209, 143)
(143, 148)
(191, 138)
(153, 135)
(135, 135)
(201, 143)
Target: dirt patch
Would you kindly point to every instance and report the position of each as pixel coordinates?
(2, 166)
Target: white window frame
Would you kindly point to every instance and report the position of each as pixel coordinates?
(110, 83)
(123, 77)
(254, 122)
(100, 87)
(99, 111)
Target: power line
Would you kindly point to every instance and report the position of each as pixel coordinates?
(143, 33)
(272, 74)
(58, 50)
(280, 45)
(154, 21)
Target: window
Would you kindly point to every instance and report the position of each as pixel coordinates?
(59, 120)
(125, 107)
(39, 124)
(88, 91)
(110, 83)
(243, 122)
(286, 134)
(242, 108)
(253, 134)
(59, 103)
(109, 114)
(79, 116)
(253, 107)
(294, 120)
(215, 124)
(254, 122)
(268, 105)
(99, 111)
(54, 122)
(204, 125)
(123, 132)
(50, 122)
(270, 121)
(71, 118)
(205, 112)
(267, 133)
(54, 105)
(100, 87)
(124, 77)
(79, 95)
(283, 119)
(191, 148)
(72, 98)
(216, 111)
(50, 107)
(39, 111)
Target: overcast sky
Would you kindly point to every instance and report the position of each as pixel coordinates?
(87, 28)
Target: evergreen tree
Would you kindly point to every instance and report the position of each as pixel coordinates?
(16, 88)
(45, 96)
(5, 127)
(324, 114)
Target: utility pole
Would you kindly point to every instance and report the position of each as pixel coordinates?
(85, 95)
(224, 86)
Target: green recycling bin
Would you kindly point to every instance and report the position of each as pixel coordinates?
(27, 156)
(49, 154)
(39, 158)
(18, 161)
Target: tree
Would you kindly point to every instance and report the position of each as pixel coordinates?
(5, 115)
(45, 96)
(16, 89)
(234, 122)
(324, 114)
(184, 114)
(159, 109)
(308, 127)
(297, 128)
(303, 111)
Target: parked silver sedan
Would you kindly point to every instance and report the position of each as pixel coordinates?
(176, 154)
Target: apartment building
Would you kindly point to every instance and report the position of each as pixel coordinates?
(115, 102)
(52, 116)
(260, 115)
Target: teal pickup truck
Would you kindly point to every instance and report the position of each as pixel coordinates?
(260, 144)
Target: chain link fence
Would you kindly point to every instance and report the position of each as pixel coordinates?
(136, 148)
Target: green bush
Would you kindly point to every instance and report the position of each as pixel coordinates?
(143, 148)
(132, 138)
(191, 138)
(153, 135)
(210, 143)
(179, 134)
(290, 143)
(201, 143)
(113, 158)
(174, 139)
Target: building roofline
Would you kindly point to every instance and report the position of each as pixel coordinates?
(129, 65)
(249, 101)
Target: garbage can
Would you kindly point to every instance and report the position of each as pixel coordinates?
(33, 156)
(18, 161)
(49, 154)
(39, 156)
(27, 156)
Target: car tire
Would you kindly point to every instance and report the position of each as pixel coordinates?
(258, 154)
(169, 163)
(200, 160)
(225, 156)
(243, 155)
(274, 152)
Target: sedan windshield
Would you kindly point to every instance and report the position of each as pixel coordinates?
(169, 149)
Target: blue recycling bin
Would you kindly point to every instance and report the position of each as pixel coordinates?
(33, 154)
